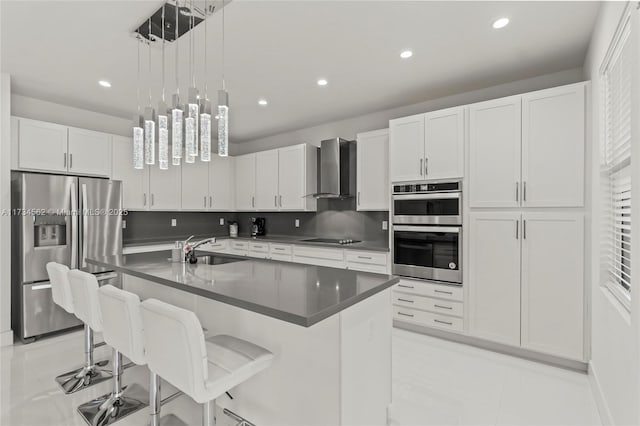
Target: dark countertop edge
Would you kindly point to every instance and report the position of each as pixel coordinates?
(364, 246)
(250, 306)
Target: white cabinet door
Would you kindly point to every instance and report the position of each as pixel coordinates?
(373, 171)
(89, 152)
(406, 148)
(553, 284)
(221, 183)
(195, 186)
(135, 183)
(444, 144)
(245, 182)
(42, 146)
(494, 278)
(494, 151)
(553, 142)
(267, 180)
(292, 175)
(165, 188)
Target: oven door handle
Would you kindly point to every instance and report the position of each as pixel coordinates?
(428, 196)
(438, 229)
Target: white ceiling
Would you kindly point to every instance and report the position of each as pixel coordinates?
(58, 50)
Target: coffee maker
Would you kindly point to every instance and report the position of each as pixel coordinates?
(258, 226)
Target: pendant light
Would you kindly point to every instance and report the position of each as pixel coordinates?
(177, 122)
(205, 103)
(223, 107)
(192, 108)
(149, 118)
(138, 130)
(163, 118)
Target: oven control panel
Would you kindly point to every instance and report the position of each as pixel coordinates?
(416, 188)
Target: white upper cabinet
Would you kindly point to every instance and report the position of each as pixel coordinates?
(444, 144)
(373, 171)
(553, 284)
(553, 123)
(135, 183)
(195, 185)
(89, 152)
(266, 195)
(41, 146)
(221, 183)
(245, 182)
(297, 177)
(494, 153)
(494, 278)
(406, 148)
(165, 188)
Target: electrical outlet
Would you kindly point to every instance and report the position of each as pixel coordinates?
(385, 225)
(124, 224)
(222, 221)
(297, 223)
(174, 222)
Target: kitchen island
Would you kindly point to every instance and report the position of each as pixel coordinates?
(330, 331)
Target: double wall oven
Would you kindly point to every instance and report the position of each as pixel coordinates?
(427, 231)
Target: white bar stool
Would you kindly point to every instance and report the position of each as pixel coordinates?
(91, 373)
(203, 369)
(122, 330)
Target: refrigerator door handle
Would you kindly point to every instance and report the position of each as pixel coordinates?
(85, 224)
(74, 226)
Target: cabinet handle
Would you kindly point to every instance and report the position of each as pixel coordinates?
(406, 286)
(153, 200)
(278, 248)
(443, 322)
(364, 257)
(210, 201)
(426, 162)
(443, 307)
(275, 201)
(517, 229)
(406, 315)
(524, 191)
(253, 201)
(65, 160)
(280, 198)
(358, 197)
(524, 229)
(420, 167)
(442, 291)
(405, 300)
(517, 191)
(71, 161)
(144, 203)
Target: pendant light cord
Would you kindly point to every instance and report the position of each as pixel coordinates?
(176, 41)
(206, 11)
(138, 78)
(223, 83)
(149, 50)
(164, 6)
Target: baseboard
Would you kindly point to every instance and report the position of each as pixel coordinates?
(6, 338)
(603, 409)
(530, 355)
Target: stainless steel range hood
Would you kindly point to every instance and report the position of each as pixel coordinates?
(337, 169)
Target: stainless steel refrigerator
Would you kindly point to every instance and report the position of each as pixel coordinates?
(62, 219)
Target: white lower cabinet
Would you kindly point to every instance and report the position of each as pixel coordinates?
(367, 261)
(259, 250)
(319, 256)
(526, 284)
(239, 248)
(282, 252)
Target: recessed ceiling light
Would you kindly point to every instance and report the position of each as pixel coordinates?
(104, 83)
(500, 23)
(322, 82)
(406, 54)
(262, 102)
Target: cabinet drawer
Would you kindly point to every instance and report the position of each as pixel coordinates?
(259, 247)
(425, 288)
(281, 257)
(368, 257)
(437, 306)
(218, 246)
(319, 253)
(364, 267)
(257, 254)
(427, 319)
(280, 249)
(239, 245)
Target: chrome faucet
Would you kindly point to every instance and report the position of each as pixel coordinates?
(190, 249)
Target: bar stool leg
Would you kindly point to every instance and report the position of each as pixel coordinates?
(90, 374)
(209, 413)
(121, 402)
(154, 399)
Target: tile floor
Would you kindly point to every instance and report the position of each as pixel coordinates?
(435, 382)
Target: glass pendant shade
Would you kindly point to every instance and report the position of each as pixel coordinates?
(205, 131)
(163, 137)
(149, 136)
(223, 123)
(190, 139)
(177, 124)
(193, 111)
(138, 143)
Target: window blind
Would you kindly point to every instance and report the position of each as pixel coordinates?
(616, 161)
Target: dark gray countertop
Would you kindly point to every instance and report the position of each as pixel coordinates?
(295, 293)
(380, 246)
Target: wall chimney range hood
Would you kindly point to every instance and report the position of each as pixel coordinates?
(337, 169)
